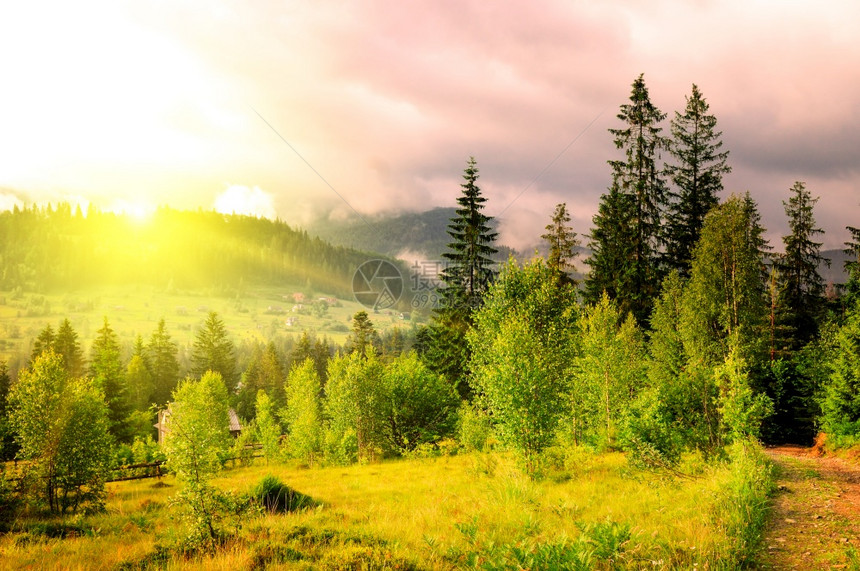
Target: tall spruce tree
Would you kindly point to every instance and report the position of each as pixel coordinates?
(470, 266)
(108, 374)
(801, 286)
(162, 363)
(697, 177)
(213, 351)
(466, 277)
(67, 346)
(637, 178)
(562, 245)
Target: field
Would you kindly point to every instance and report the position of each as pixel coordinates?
(255, 314)
(447, 512)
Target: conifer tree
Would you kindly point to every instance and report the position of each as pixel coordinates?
(44, 342)
(852, 266)
(637, 178)
(697, 176)
(67, 346)
(213, 351)
(562, 245)
(162, 363)
(467, 276)
(802, 288)
(363, 337)
(109, 375)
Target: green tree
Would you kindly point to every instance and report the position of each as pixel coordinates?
(726, 294)
(363, 337)
(213, 351)
(66, 345)
(140, 385)
(303, 415)
(162, 363)
(521, 346)
(697, 177)
(562, 245)
(840, 402)
(268, 426)
(466, 277)
(742, 410)
(801, 286)
(608, 371)
(419, 406)
(638, 177)
(353, 409)
(197, 439)
(107, 371)
(44, 342)
(61, 425)
(852, 266)
(7, 442)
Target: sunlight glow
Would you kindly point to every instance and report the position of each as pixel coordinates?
(138, 211)
(247, 201)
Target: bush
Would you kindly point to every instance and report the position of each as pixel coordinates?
(276, 497)
(474, 430)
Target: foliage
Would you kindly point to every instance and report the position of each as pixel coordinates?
(742, 510)
(742, 410)
(562, 245)
(467, 276)
(632, 211)
(268, 426)
(303, 414)
(840, 402)
(108, 373)
(801, 288)
(521, 345)
(263, 373)
(419, 406)
(160, 357)
(607, 373)
(213, 351)
(276, 497)
(61, 426)
(474, 430)
(363, 336)
(697, 177)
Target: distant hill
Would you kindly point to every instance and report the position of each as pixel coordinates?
(53, 248)
(406, 235)
(836, 272)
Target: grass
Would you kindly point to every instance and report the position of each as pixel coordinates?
(137, 309)
(428, 513)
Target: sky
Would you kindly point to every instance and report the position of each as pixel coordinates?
(303, 109)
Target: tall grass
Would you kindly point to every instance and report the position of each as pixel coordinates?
(436, 513)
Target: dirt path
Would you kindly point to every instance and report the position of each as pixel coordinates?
(815, 521)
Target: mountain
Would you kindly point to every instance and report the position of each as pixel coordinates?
(410, 236)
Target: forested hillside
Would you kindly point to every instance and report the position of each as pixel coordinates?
(42, 249)
(423, 233)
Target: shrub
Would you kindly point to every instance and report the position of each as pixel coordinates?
(276, 497)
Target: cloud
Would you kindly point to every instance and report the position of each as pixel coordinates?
(238, 199)
(9, 201)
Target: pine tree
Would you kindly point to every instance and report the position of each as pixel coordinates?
(469, 270)
(109, 375)
(467, 276)
(802, 289)
(611, 242)
(697, 176)
(213, 351)
(364, 337)
(562, 245)
(67, 346)
(638, 198)
(162, 364)
(44, 342)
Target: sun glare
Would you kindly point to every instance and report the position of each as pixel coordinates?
(139, 212)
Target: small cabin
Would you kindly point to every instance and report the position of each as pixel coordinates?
(163, 424)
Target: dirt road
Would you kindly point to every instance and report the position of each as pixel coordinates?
(815, 521)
